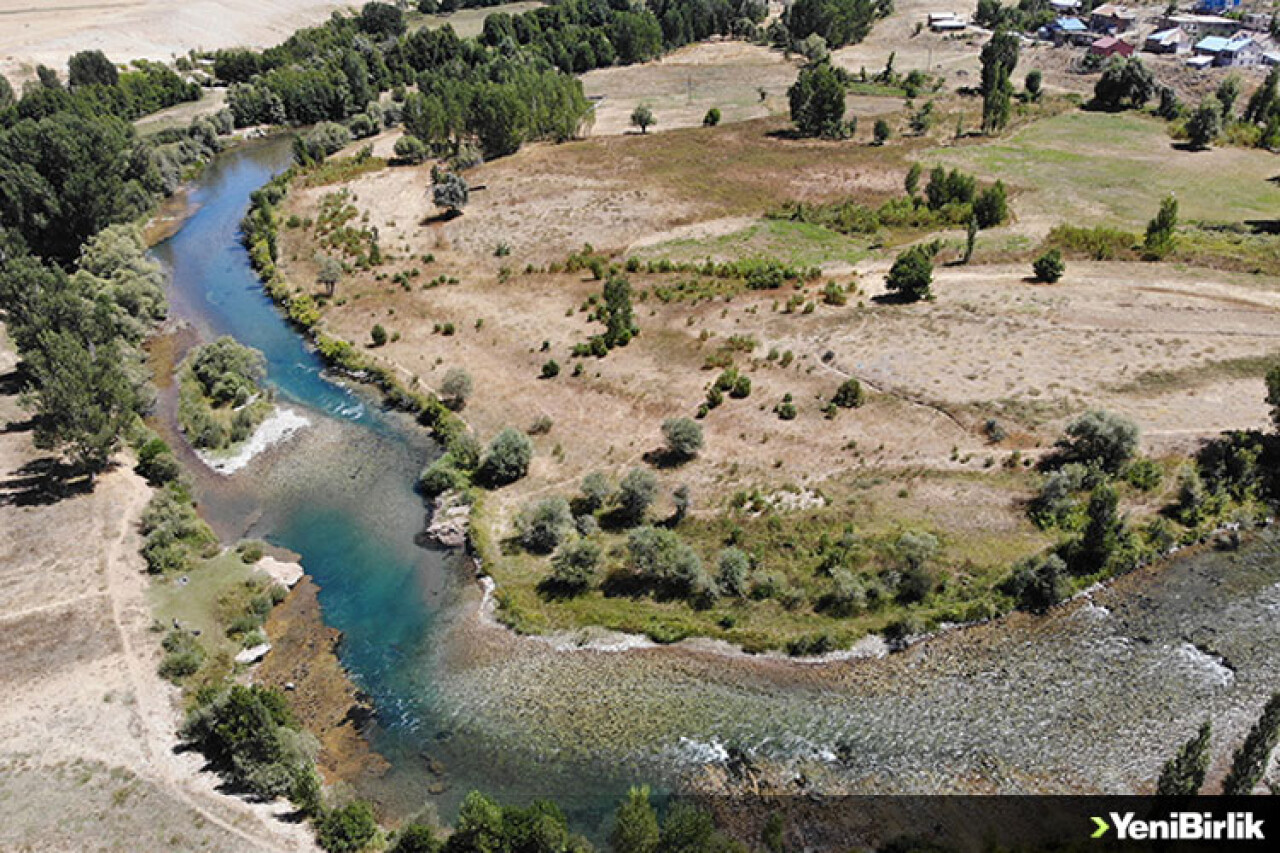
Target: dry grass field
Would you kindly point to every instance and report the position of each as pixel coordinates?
(34, 33)
(1175, 348)
(88, 756)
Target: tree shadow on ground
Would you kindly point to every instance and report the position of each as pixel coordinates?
(42, 482)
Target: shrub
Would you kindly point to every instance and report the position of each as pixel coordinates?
(1049, 267)
(636, 493)
(551, 369)
(183, 655)
(574, 567)
(1037, 583)
(378, 335)
(661, 558)
(456, 388)
(881, 131)
(911, 274)
(849, 395)
(597, 491)
(542, 525)
(411, 149)
(733, 571)
(507, 458)
(1144, 474)
(683, 437)
(786, 410)
(348, 829)
(1104, 438)
(712, 118)
(440, 477)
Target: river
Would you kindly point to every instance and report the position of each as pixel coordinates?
(1090, 698)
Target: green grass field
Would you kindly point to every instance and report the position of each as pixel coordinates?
(1113, 169)
(795, 243)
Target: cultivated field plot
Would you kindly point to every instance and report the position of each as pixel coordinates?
(743, 81)
(33, 33)
(468, 23)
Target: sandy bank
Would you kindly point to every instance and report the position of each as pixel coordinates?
(279, 426)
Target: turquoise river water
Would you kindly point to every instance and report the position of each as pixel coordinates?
(1088, 699)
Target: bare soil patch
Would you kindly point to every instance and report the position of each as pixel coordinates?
(82, 700)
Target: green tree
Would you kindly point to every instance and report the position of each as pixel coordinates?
(642, 117)
(683, 437)
(382, 20)
(507, 458)
(91, 68)
(1249, 764)
(912, 181)
(1049, 267)
(479, 828)
(1227, 93)
(635, 824)
(83, 399)
(1273, 394)
(329, 273)
(991, 207)
(450, 191)
(817, 102)
(378, 335)
(881, 131)
(619, 317)
(1125, 82)
(411, 149)
(7, 98)
(911, 275)
(733, 572)
(636, 493)
(498, 118)
(1034, 83)
(1162, 230)
(711, 119)
(1205, 124)
(1183, 775)
(849, 395)
(999, 58)
(970, 239)
(1101, 538)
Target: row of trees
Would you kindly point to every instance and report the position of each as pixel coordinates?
(1183, 775)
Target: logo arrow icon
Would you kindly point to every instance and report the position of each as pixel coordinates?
(1102, 825)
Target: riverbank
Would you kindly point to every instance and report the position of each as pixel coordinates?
(89, 755)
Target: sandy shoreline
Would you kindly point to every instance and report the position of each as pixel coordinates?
(277, 428)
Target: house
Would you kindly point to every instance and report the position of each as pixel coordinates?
(945, 22)
(1199, 26)
(1111, 46)
(1110, 18)
(1236, 52)
(1216, 7)
(1167, 41)
(1257, 21)
(1200, 62)
(1241, 52)
(1068, 31)
(1066, 7)
(1271, 59)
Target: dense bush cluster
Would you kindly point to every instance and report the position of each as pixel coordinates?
(220, 399)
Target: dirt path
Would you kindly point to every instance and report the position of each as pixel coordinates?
(88, 744)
